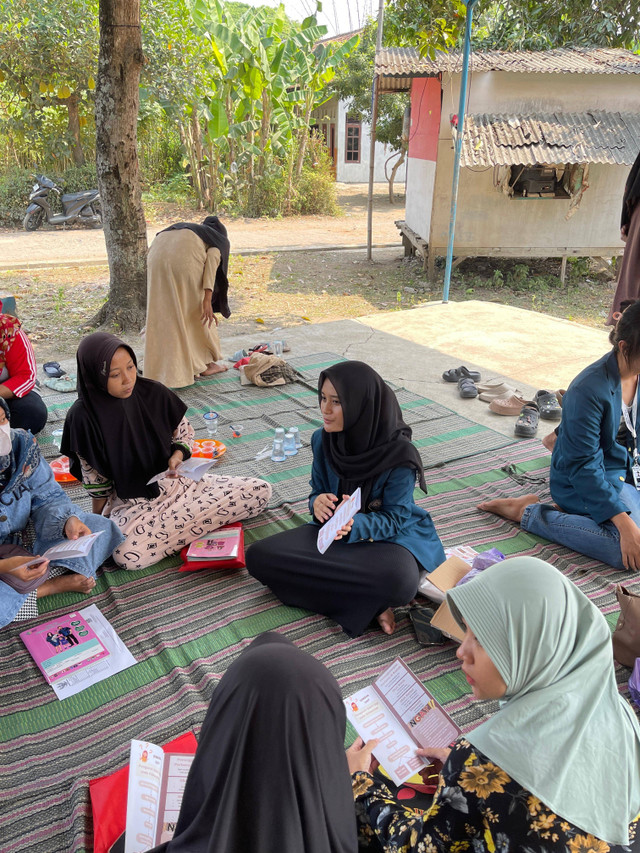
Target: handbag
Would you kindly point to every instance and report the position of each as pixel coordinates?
(626, 635)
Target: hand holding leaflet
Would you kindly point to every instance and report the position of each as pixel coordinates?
(67, 549)
(194, 468)
(342, 516)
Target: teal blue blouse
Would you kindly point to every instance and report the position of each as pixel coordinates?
(393, 514)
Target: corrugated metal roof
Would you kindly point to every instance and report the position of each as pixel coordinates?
(592, 137)
(406, 62)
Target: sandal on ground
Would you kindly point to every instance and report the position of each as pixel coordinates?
(53, 369)
(462, 372)
(550, 408)
(501, 391)
(527, 423)
(467, 388)
(511, 405)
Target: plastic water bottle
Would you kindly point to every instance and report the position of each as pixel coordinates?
(290, 448)
(296, 436)
(277, 454)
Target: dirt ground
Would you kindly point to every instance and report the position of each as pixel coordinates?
(275, 289)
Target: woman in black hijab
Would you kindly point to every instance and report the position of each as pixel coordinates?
(628, 287)
(187, 285)
(270, 773)
(121, 432)
(375, 562)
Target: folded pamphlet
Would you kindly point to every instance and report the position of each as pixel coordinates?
(156, 785)
(194, 468)
(343, 515)
(68, 549)
(398, 710)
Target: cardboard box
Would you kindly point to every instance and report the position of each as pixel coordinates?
(444, 578)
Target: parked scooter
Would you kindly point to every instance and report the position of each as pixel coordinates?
(83, 207)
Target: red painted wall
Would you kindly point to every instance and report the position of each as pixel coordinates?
(425, 118)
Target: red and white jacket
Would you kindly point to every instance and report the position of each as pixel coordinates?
(19, 372)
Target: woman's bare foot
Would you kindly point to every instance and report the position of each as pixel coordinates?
(387, 621)
(509, 508)
(549, 441)
(213, 368)
(71, 582)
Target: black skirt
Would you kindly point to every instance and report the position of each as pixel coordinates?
(351, 583)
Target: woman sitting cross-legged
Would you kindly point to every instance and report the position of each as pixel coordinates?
(30, 496)
(557, 768)
(121, 432)
(270, 773)
(376, 561)
(597, 509)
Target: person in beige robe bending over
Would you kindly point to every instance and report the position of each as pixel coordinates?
(186, 285)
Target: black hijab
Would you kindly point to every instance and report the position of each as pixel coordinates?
(214, 234)
(374, 438)
(270, 773)
(631, 193)
(128, 441)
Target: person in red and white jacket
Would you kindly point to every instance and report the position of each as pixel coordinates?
(18, 377)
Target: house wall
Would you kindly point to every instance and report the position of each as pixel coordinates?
(423, 148)
(487, 219)
(354, 173)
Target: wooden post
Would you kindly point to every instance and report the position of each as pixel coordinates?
(563, 270)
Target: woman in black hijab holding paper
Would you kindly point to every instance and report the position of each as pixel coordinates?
(186, 286)
(375, 561)
(270, 774)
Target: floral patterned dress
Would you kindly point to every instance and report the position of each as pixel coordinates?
(477, 807)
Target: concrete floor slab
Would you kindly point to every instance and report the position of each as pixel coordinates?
(414, 347)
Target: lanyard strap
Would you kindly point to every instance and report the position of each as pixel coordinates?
(631, 422)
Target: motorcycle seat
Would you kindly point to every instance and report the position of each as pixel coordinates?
(73, 196)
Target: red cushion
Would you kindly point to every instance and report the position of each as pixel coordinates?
(109, 797)
(232, 563)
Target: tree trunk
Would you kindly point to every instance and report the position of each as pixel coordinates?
(392, 176)
(117, 98)
(74, 129)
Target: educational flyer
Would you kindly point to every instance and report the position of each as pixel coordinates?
(76, 650)
(399, 711)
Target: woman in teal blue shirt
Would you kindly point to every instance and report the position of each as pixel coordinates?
(374, 563)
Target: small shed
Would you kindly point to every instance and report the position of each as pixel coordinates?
(548, 141)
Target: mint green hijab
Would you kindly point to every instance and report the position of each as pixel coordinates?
(563, 732)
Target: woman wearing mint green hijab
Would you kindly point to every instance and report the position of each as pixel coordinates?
(557, 768)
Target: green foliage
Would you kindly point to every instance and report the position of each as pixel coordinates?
(316, 189)
(352, 82)
(512, 24)
(175, 189)
(15, 186)
(77, 178)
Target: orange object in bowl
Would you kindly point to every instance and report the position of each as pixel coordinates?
(208, 448)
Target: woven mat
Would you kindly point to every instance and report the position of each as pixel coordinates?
(185, 629)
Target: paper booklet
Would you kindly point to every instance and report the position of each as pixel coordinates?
(223, 544)
(156, 785)
(343, 514)
(194, 468)
(67, 549)
(77, 650)
(401, 713)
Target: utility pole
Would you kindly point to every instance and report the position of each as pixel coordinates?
(372, 147)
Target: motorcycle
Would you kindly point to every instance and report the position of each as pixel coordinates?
(84, 207)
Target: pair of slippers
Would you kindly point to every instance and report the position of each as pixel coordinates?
(546, 405)
(466, 380)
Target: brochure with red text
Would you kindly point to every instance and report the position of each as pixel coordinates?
(402, 715)
(222, 544)
(156, 785)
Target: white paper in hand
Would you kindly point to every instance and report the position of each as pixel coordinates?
(343, 514)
